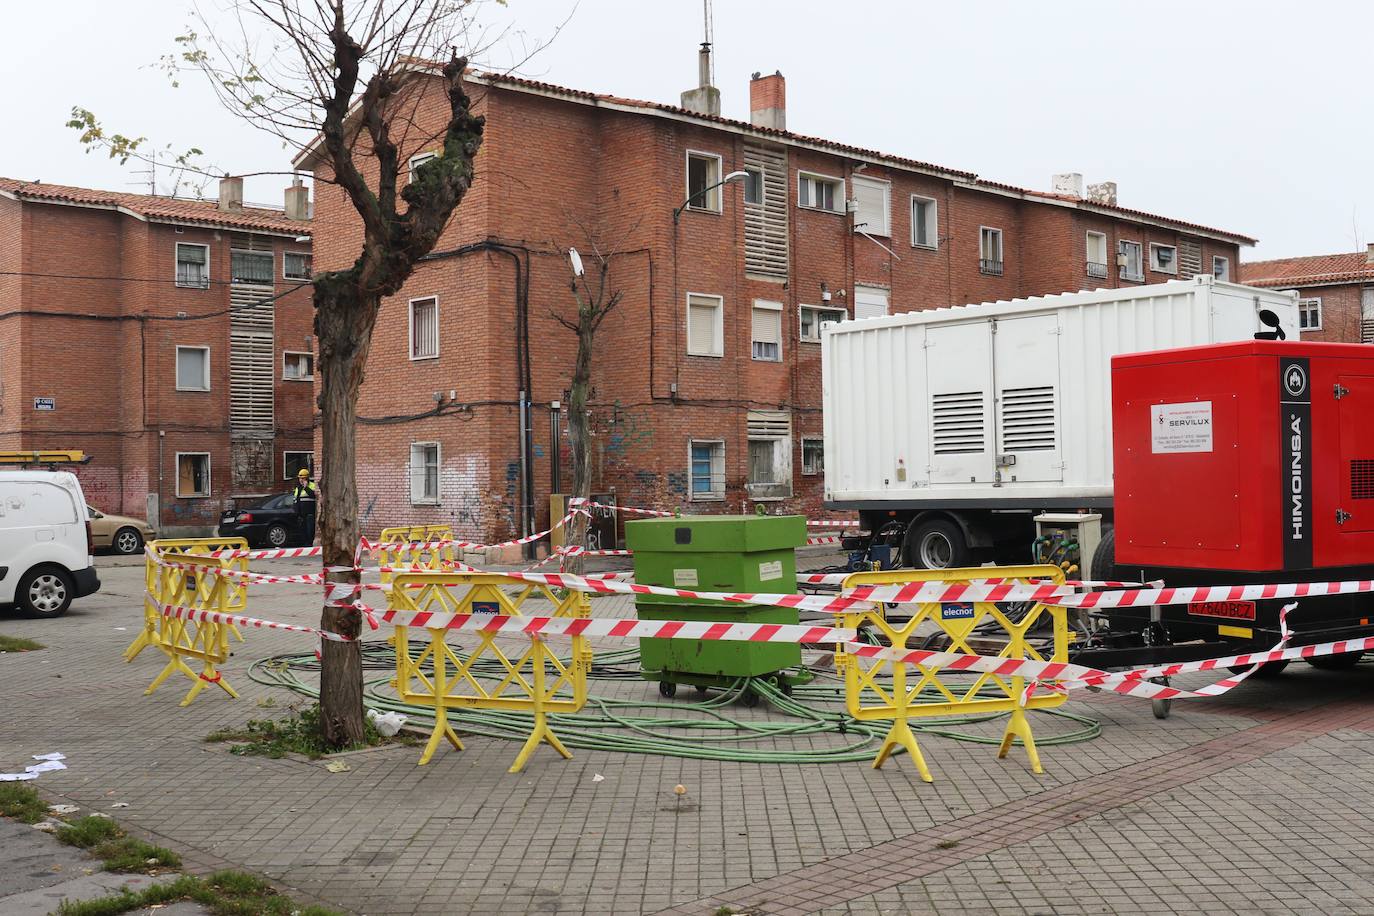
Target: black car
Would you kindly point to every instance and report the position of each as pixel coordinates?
(270, 523)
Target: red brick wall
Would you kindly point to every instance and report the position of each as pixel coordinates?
(552, 174)
(1340, 312)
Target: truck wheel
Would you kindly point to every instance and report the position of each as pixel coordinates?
(1103, 565)
(45, 591)
(937, 543)
(1338, 662)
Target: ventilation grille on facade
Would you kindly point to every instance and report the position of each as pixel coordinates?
(770, 424)
(1190, 258)
(1028, 419)
(765, 221)
(958, 423)
(252, 358)
(1362, 478)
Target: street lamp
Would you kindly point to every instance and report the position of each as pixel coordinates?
(733, 176)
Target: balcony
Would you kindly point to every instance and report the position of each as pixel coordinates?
(990, 267)
(1097, 270)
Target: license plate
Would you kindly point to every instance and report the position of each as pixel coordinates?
(1229, 610)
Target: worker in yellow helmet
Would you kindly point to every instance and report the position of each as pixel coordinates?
(306, 497)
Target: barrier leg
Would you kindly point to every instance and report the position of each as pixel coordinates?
(541, 731)
(441, 727)
(174, 664)
(147, 636)
(204, 679)
(900, 734)
(1019, 727)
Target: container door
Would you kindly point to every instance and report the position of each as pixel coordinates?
(1026, 372)
(959, 379)
(1355, 505)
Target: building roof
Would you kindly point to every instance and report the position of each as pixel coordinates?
(1313, 270)
(307, 155)
(151, 208)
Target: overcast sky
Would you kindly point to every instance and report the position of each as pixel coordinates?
(1247, 116)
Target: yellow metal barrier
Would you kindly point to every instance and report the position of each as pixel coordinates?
(880, 690)
(407, 546)
(204, 641)
(164, 584)
(536, 680)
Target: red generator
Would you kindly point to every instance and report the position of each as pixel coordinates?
(1241, 463)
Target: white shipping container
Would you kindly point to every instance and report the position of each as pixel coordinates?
(1005, 404)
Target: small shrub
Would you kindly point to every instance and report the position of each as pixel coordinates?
(116, 850)
(297, 734)
(21, 803)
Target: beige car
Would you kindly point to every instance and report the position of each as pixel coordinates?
(118, 532)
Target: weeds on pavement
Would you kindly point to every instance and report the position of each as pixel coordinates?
(116, 850)
(225, 893)
(18, 644)
(21, 803)
(298, 734)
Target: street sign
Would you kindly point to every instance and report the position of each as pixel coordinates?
(45, 403)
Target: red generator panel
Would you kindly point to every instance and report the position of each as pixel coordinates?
(1253, 456)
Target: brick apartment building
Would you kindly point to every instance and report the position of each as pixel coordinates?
(1336, 292)
(707, 377)
(169, 339)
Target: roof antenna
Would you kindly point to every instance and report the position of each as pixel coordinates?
(708, 42)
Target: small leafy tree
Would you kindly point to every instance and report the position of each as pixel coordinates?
(346, 75)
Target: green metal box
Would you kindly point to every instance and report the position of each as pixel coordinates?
(716, 553)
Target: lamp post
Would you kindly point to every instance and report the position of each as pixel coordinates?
(733, 176)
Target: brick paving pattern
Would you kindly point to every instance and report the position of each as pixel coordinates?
(1253, 802)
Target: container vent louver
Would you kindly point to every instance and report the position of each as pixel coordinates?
(958, 423)
(1362, 478)
(1028, 419)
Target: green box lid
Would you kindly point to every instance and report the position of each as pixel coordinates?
(716, 533)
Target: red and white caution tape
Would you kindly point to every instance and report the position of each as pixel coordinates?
(829, 523)
(823, 539)
(188, 613)
(628, 629)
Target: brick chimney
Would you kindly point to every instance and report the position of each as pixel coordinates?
(231, 194)
(768, 101)
(297, 201)
(705, 99)
(1103, 193)
(1068, 184)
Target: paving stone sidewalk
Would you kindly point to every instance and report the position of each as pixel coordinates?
(1253, 802)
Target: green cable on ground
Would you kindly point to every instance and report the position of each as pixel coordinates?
(609, 724)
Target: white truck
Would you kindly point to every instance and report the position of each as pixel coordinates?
(960, 424)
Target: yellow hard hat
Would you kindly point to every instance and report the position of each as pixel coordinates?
(303, 472)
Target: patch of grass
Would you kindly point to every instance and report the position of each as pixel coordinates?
(298, 734)
(21, 803)
(225, 893)
(16, 644)
(116, 850)
(946, 844)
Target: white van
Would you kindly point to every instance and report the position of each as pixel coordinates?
(45, 542)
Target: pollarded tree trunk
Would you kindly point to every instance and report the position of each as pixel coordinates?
(343, 327)
(579, 437)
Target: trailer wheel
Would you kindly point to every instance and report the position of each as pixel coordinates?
(937, 543)
(1338, 662)
(1267, 669)
(1103, 564)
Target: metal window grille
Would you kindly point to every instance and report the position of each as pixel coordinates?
(708, 469)
(193, 267)
(424, 328)
(250, 267)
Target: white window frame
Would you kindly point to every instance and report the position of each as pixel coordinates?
(934, 222)
(297, 378)
(702, 204)
(783, 461)
(814, 471)
(416, 161)
(841, 315)
(410, 328)
(424, 500)
(715, 494)
(1087, 251)
(839, 192)
(863, 289)
(763, 180)
(1308, 302)
(996, 232)
(1226, 262)
(1156, 246)
(717, 333)
(310, 463)
(885, 187)
(176, 367)
(770, 306)
(176, 263)
(1122, 269)
(287, 254)
(209, 470)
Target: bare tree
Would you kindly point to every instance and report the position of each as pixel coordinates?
(347, 75)
(596, 298)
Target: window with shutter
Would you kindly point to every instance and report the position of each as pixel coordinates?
(193, 265)
(765, 211)
(766, 337)
(873, 213)
(770, 454)
(870, 301)
(705, 325)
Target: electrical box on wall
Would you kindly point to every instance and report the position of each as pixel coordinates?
(1255, 456)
